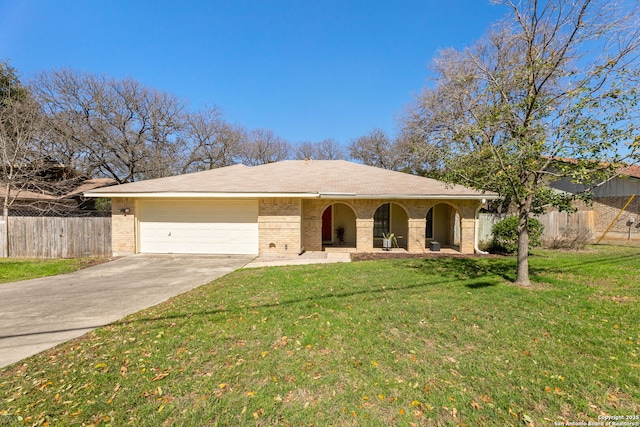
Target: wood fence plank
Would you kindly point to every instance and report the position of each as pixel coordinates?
(59, 237)
(555, 223)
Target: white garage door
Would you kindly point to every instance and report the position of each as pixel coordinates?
(199, 227)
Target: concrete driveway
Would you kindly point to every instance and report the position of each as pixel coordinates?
(38, 314)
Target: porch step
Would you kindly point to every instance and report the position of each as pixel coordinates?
(339, 256)
(339, 249)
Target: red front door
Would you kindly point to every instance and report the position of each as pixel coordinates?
(327, 225)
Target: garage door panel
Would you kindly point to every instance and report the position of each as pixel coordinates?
(204, 227)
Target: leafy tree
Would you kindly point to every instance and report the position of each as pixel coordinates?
(554, 79)
(11, 89)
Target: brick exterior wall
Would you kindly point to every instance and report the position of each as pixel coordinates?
(123, 227)
(628, 223)
(287, 225)
(279, 226)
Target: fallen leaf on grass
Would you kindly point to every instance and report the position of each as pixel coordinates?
(160, 376)
(475, 405)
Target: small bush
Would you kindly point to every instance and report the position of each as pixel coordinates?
(505, 235)
(573, 238)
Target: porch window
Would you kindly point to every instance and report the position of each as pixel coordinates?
(381, 220)
(429, 229)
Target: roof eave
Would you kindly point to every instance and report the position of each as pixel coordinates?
(342, 196)
(411, 196)
(198, 195)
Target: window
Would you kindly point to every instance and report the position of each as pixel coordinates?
(381, 220)
(428, 232)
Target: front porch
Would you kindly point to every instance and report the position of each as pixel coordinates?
(359, 225)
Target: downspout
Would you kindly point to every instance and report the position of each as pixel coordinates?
(475, 237)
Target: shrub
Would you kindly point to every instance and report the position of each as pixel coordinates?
(573, 238)
(505, 235)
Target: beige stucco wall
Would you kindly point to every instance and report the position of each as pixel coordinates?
(123, 226)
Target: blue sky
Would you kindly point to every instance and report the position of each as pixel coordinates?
(308, 70)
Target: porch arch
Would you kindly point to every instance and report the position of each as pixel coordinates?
(443, 225)
(393, 218)
(336, 217)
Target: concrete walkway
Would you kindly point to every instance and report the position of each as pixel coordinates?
(38, 314)
(305, 258)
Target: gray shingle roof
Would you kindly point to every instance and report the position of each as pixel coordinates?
(312, 177)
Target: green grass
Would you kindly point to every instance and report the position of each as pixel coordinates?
(14, 269)
(375, 343)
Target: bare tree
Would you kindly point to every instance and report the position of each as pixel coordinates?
(305, 151)
(263, 146)
(374, 149)
(327, 149)
(115, 128)
(215, 143)
(413, 156)
(555, 79)
(330, 149)
(24, 165)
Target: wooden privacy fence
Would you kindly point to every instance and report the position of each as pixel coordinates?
(58, 237)
(555, 224)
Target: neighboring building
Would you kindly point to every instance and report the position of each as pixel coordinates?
(288, 207)
(54, 190)
(609, 199)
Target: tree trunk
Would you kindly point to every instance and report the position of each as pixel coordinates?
(522, 278)
(5, 232)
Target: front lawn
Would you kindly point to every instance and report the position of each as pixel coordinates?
(14, 269)
(375, 343)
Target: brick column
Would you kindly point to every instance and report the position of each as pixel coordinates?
(416, 241)
(123, 227)
(467, 235)
(312, 234)
(364, 239)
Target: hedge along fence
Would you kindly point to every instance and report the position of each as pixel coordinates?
(556, 225)
(57, 237)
